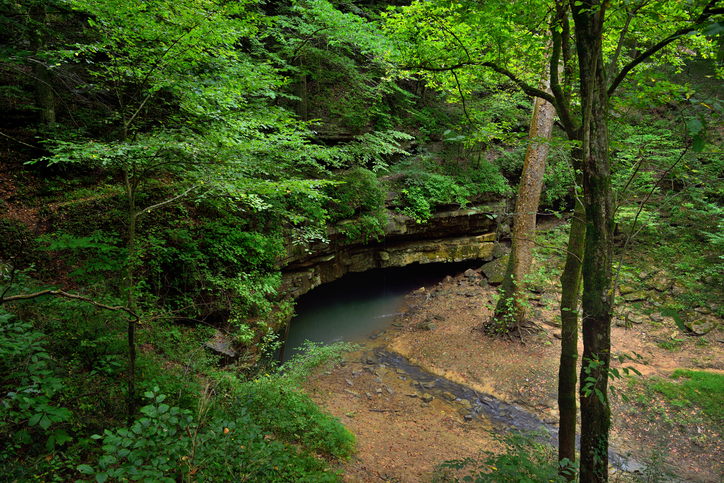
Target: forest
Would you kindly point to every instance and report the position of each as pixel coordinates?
(163, 161)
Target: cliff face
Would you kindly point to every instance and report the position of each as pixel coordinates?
(450, 236)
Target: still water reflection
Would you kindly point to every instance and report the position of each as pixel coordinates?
(353, 307)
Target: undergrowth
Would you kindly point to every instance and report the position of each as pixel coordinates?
(689, 388)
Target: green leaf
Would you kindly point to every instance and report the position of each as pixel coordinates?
(61, 437)
(713, 29)
(698, 144)
(45, 422)
(101, 477)
(85, 469)
(34, 420)
(677, 318)
(695, 126)
(50, 444)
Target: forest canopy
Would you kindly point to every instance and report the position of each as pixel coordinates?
(163, 160)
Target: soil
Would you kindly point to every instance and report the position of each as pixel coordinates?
(401, 438)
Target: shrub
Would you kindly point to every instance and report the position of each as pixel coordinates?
(701, 388)
(168, 445)
(29, 410)
(524, 460)
(361, 197)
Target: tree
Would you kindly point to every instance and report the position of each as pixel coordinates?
(191, 110)
(488, 49)
(175, 61)
(510, 310)
(597, 296)
(33, 33)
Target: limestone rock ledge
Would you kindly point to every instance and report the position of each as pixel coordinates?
(450, 236)
(328, 268)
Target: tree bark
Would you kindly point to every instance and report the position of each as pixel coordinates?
(510, 310)
(570, 288)
(588, 20)
(44, 95)
(130, 180)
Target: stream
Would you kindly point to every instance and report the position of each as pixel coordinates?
(360, 305)
(354, 307)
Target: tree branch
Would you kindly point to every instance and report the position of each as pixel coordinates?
(707, 13)
(170, 200)
(524, 86)
(61, 293)
(19, 141)
(563, 107)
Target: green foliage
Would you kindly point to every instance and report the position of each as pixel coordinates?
(168, 444)
(524, 460)
(426, 184)
(508, 313)
(311, 356)
(89, 255)
(293, 417)
(228, 266)
(358, 201)
(337, 60)
(696, 388)
(592, 366)
(278, 405)
(558, 177)
(29, 411)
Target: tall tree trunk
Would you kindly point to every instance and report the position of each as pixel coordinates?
(570, 288)
(44, 95)
(510, 310)
(130, 180)
(597, 297)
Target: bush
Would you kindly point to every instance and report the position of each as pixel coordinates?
(361, 197)
(29, 411)
(292, 416)
(524, 461)
(168, 445)
(700, 388)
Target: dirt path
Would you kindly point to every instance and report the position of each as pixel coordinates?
(402, 438)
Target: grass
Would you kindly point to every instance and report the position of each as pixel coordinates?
(700, 388)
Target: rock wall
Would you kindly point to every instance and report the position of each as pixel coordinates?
(450, 236)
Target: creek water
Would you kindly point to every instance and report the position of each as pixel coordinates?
(352, 308)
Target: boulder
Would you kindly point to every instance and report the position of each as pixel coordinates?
(634, 318)
(448, 396)
(220, 344)
(661, 282)
(701, 326)
(495, 271)
(636, 296)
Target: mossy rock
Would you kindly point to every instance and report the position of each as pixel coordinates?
(495, 271)
(636, 296)
(701, 326)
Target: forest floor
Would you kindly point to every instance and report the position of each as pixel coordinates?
(401, 438)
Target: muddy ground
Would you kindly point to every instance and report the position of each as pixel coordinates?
(403, 435)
